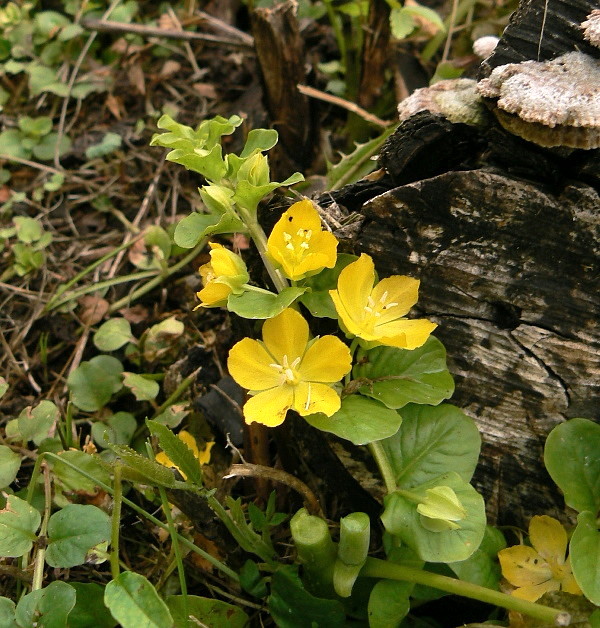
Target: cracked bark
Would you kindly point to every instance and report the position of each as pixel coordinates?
(510, 271)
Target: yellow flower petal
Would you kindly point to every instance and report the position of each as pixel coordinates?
(298, 244)
(249, 363)
(162, 458)
(398, 289)
(269, 407)
(534, 592)
(214, 294)
(204, 455)
(523, 566)
(354, 288)
(310, 398)
(225, 262)
(286, 335)
(548, 537)
(404, 333)
(326, 360)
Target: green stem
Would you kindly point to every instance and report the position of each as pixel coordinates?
(339, 35)
(260, 241)
(380, 457)
(375, 568)
(40, 555)
(116, 521)
(136, 294)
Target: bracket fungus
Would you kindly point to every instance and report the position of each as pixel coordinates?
(550, 103)
(591, 28)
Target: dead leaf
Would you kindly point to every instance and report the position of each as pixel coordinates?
(206, 90)
(210, 548)
(166, 23)
(169, 69)
(135, 314)
(93, 309)
(135, 74)
(5, 193)
(138, 253)
(115, 106)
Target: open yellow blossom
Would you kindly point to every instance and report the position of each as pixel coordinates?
(203, 456)
(287, 371)
(299, 245)
(375, 313)
(541, 568)
(224, 274)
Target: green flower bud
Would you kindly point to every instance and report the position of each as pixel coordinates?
(440, 509)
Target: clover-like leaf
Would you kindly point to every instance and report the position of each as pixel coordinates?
(49, 606)
(397, 377)
(113, 334)
(433, 440)
(36, 423)
(401, 519)
(18, 525)
(93, 383)
(73, 531)
(205, 612)
(10, 463)
(118, 429)
(143, 389)
(359, 420)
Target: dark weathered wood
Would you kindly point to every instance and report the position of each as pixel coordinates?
(510, 270)
(374, 54)
(280, 53)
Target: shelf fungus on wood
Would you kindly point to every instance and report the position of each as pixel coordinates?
(550, 103)
(591, 28)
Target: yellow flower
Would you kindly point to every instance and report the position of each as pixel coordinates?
(440, 509)
(286, 371)
(203, 456)
(375, 313)
(541, 568)
(299, 245)
(224, 274)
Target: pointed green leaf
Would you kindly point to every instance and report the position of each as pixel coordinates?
(359, 420)
(177, 451)
(259, 140)
(73, 531)
(433, 440)
(261, 305)
(134, 602)
(573, 462)
(138, 468)
(401, 519)
(399, 376)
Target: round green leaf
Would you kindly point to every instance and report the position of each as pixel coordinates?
(35, 424)
(585, 555)
(73, 531)
(113, 334)
(89, 608)
(142, 388)
(389, 603)
(359, 420)
(134, 602)
(45, 150)
(10, 463)
(399, 376)
(11, 144)
(432, 441)
(35, 127)
(93, 383)
(401, 519)
(260, 305)
(207, 612)
(28, 229)
(110, 142)
(68, 479)
(118, 429)
(18, 525)
(190, 229)
(48, 607)
(7, 613)
(572, 457)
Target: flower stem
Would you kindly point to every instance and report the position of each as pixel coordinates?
(385, 468)
(375, 568)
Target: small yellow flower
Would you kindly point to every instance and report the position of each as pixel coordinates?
(224, 274)
(441, 509)
(203, 456)
(299, 245)
(541, 568)
(287, 371)
(375, 313)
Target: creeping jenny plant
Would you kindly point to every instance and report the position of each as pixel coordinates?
(384, 388)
